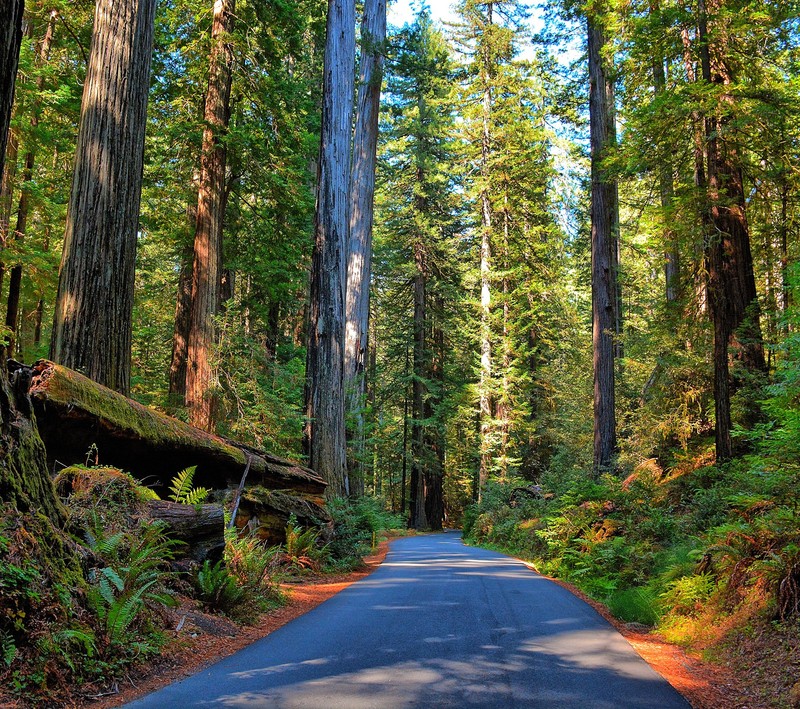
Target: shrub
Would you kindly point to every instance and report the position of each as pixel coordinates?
(356, 526)
(217, 587)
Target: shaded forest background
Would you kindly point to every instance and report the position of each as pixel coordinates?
(483, 203)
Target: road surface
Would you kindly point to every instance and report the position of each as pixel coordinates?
(439, 624)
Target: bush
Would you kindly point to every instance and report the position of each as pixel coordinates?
(217, 587)
(356, 526)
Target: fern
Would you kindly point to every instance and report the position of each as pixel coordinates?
(182, 491)
(217, 588)
(132, 579)
(8, 648)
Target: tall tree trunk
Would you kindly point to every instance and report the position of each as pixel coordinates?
(732, 295)
(605, 293)
(419, 458)
(485, 383)
(180, 333)
(666, 192)
(359, 266)
(325, 439)
(92, 323)
(15, 280)
(39, 317)
(784, 241)
(10, 40)
(7, 195)
(405, 442)
(183, 305)
(504, 403)
(434, 472)
(210, 217)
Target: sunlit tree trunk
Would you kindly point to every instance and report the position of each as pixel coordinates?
(485, 382)
(92, 323)
(359, 266)
(605, 294)
(325, 439)
(206, 271)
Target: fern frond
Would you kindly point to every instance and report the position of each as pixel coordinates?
(182, 484)
(197, 496)
(8, 648)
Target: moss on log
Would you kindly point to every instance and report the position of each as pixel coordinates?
(75, 413)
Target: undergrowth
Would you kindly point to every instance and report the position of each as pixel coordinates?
(703, 555)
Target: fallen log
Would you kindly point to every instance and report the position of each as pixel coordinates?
(200, 527)
(74, 413)
(267, 512)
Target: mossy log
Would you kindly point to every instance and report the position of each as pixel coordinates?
(200, 527)
(267, 512)
(75, 413)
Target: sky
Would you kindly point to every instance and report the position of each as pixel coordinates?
(402, 11)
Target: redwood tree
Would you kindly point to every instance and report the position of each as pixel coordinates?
(732, 296)
(92, 323)
(210, 216)
(324, 401)
(23, 208)
(359, 265)
(605, 227)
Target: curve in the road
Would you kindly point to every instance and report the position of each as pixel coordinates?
(439, 624)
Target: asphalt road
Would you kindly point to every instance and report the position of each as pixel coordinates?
(439, 624)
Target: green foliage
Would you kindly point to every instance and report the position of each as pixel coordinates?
(217, 588)
(688, 595)
(356, 526)
(8, 648)
(181, 489)
(255, 566)
(302, 548)
(132, 581)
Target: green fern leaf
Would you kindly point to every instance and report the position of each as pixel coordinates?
(182, 484)
(197, 496)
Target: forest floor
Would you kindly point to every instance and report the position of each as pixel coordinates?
(204, 639)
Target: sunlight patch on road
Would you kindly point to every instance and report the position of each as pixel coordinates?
(602, 649)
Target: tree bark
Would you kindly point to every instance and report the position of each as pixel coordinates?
(732, 296)
(92, 323)
(206, 270)
(605, 294)
(419, 456)
(200, 527)
(10, 40)
(180, 332)
(7, 195)
(325, 439)
(15, 279)
(359, 266)
(485, 383)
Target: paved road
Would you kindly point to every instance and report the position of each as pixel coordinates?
(437, 625)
